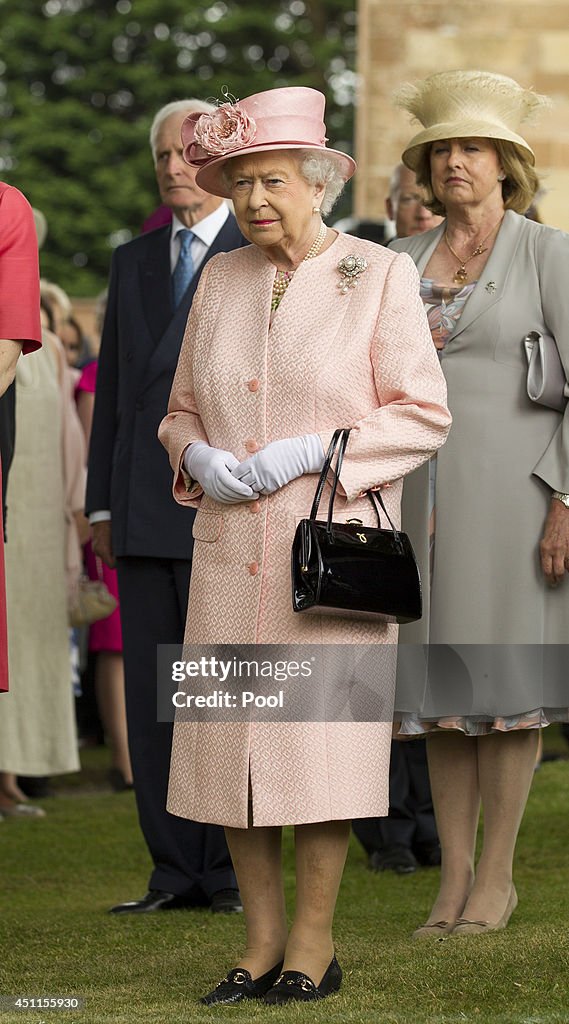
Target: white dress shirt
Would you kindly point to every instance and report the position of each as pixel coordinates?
(205, 232)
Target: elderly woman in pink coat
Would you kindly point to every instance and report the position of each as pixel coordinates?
(278, 353)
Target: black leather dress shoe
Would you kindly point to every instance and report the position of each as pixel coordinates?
(226, 901)
(294, 985)
(393, 858)
(239, 985)
(155, 899)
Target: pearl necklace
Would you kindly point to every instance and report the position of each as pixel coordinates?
(284, 277)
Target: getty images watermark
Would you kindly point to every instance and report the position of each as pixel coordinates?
(220, 671)
(276, 682)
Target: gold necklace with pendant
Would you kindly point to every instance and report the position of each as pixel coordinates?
(461, 275)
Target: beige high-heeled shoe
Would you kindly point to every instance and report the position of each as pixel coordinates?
(466, 927)
(438, 930)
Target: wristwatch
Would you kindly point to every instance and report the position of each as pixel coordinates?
(561, 497)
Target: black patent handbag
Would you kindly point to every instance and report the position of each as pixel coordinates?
(352, 570)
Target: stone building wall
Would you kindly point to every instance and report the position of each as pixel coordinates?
(405, 40)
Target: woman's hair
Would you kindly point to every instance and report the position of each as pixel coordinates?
(518, 190)
(321, 169)
(54, 295)
(316, 169)
(48, 312)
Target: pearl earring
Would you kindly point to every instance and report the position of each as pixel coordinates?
(501, 177)
(316, 209)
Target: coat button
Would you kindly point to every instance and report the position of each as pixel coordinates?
(251, 446)
(253, 385)
(253, 568)
(254, 507)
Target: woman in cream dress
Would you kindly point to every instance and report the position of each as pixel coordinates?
(47, 478)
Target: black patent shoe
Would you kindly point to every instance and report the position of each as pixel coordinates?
(294, 985)
(154, 900)
(239, 985)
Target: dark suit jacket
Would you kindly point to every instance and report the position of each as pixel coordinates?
(129, 472)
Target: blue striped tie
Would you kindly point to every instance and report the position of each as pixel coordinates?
(184, 269)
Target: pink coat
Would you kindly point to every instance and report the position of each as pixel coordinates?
(363, 359)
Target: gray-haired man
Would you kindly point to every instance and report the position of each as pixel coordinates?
(405, 204)
(136, 523)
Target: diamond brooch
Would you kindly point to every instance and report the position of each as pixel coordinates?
(350, 268)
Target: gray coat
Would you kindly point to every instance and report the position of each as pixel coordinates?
(494, 477)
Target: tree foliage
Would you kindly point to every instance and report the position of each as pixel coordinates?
(80, 81)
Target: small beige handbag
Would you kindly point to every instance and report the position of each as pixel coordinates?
(91, 600)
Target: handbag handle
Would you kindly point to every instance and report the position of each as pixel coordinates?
(337, 470)
(324, 472)
(340, 441)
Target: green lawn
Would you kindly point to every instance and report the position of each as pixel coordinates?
(59, 876)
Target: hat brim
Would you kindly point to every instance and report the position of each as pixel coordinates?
(210, 175)
(465, 130)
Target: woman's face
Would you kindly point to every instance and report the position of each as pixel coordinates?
(465, 172)
(273, 203)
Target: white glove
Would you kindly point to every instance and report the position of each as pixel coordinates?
(211, 468)
(280, 462)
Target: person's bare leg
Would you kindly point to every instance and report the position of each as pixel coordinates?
(257, 861)
(321, 850)
(505, 770)
(453, 770)
(109, 688)
(10, 792)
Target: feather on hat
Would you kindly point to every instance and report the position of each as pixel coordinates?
(468, 104)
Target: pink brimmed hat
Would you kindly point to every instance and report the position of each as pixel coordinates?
(291, 118)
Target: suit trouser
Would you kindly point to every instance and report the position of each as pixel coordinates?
(190, 858)
(411, 818)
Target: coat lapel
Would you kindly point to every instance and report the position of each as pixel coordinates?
(494, 277)
(155, 286)
(423, 254)
(165, 355)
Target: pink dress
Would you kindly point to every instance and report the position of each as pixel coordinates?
(19, 321)
(362, 358)
(106, 634)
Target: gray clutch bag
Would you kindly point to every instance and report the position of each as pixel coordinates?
(546, 380)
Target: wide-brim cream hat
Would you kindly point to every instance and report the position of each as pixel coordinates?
(288, 118)
(468, 104)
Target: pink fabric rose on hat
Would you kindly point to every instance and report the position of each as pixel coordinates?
(224, 130)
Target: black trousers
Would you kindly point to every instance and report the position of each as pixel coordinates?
(190, 859)
(411, 819)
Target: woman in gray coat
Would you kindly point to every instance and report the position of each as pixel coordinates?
(492, 670)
